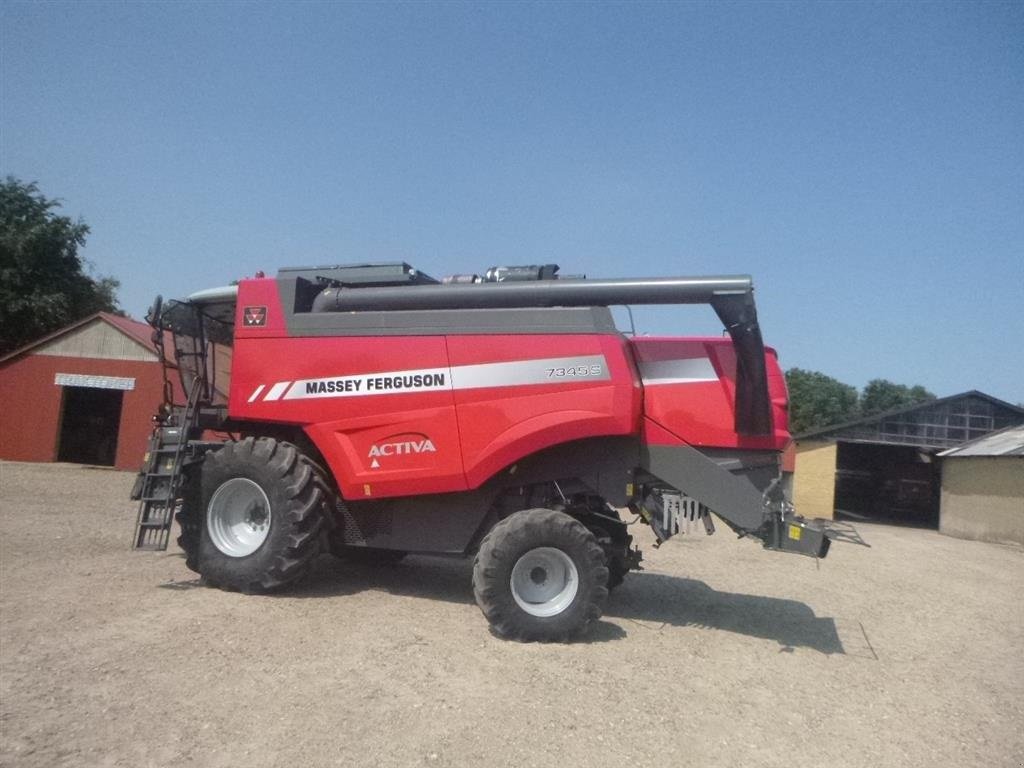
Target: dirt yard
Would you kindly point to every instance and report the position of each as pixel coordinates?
(910, 653)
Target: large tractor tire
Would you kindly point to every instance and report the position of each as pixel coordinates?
(263, 509)
(190, 519)
(540, 575)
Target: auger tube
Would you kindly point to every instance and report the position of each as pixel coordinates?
(539, 293)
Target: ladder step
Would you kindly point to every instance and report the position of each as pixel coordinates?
(159, 486)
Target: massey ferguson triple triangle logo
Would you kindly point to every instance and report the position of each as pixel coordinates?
(254, 317)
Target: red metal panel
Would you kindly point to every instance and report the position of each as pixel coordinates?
(500, 424)
(699, 405)
(258, 311)
(382, 440)
(342, 390)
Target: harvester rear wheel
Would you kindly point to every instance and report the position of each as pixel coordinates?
(540, 575)
(263, 509)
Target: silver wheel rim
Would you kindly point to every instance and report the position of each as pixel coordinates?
(238, 517)
(544, 581)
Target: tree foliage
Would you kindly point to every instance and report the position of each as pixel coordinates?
(882, 395)
(44, 283)
(817, 400)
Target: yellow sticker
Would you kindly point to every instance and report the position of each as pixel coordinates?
(366, 490)
(629, 489)
(794, 532)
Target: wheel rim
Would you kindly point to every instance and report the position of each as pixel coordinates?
(544, 581)
(238, 517)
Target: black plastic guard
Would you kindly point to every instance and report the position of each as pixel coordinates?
(803, 537)
(730, 496)
(810, 537)
(753, 403)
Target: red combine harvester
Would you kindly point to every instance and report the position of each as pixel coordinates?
(373, 411)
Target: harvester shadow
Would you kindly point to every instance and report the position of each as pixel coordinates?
(432, 578)
(648, 600)
(654, 600)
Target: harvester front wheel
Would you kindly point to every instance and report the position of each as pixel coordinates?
(263, 509)
(540, 575)
(189, 518)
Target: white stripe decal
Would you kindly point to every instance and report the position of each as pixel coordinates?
(277, 390)
(553, 370)
(256, 394)
(688, 371)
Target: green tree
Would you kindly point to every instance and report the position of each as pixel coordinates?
(882, 395)
(44, 283)
(817, 400)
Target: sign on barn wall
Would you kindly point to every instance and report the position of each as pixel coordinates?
(94, 382)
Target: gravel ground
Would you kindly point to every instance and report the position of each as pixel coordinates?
(910, 653)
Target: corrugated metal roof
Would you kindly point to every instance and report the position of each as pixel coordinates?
(924, 405)
(1005, 442)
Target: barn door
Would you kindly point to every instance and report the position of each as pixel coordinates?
(90, 420)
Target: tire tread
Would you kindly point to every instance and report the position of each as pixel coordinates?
(302, 510)
(511, 537)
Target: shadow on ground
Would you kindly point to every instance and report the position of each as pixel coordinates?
(659, 599)
(650, 600)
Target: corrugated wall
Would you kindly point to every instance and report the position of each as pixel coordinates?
(814, 482)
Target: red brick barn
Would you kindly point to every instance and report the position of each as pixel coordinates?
(83, 394)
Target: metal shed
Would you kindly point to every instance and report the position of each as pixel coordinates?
(883, 467)
(983, 488)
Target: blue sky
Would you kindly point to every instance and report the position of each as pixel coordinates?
(864, 162)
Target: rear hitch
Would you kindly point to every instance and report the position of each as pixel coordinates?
(669, 512)
(838, 530)
(793, 533)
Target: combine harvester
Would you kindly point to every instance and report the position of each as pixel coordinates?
(374, 411)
